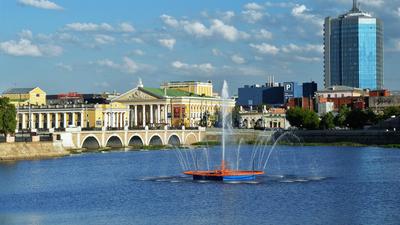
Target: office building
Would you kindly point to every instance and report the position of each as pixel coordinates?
(354, 50)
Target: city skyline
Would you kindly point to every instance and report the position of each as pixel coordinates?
(104, 46)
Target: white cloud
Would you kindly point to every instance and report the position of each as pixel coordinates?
(227, 16)
(253, 6)
(127, 65)
(374, 3)
(308, 59)
(168, 43)
(263, 34)
(265, 49)
(23, 47)
(398, 11)
(26, 34)
(217, 29)
(238, 59)
(227, 32)
(138, 52)
(301, 12)
(216, 52)
(126, 27)
(102, 39)
(307, 48)
(42, 4)
(51, 50)
(170, 21)
(207, 68)
(252, 16)
(104, 27)
(65, 67)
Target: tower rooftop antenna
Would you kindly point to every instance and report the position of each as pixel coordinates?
(355, 6)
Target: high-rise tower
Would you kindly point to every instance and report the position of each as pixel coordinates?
(354, 50)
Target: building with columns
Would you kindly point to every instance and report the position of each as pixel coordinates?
(156, 107)
(61, 117)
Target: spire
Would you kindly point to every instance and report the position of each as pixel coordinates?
(355, 6)
(140, 83)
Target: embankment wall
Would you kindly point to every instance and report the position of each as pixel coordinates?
(31, 150)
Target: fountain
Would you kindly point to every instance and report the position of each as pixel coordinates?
(224, 172)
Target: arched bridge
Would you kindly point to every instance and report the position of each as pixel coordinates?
(130, 138)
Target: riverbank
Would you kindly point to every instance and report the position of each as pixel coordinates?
(31, 150)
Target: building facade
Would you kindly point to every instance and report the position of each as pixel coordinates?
(26, 96)
(195, 87)
(354, 50)
(274, 118)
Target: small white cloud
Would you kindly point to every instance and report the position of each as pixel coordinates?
(216, 52)
(196, 29)
(302, 12)
(238, 59)
(89, 27)
(263, 34)
(228, 32)
(207, 68)
(138, 52)
(252, 16)
(65, 67)
(398, 11)
(168, 43)
(51, 50)
(265, 49)
(126, 27)
(307, 48)
(26, 34)
(127, 65)
(308, 59)
(23, 47)
(42, 4)
(227, 16)
(170, 21)
(102, 39)
(253, 6)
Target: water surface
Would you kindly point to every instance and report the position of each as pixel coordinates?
(303, 185)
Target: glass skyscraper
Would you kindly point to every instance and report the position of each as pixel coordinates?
(354, 50)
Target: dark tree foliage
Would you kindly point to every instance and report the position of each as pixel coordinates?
(357, 119)
(327, 121)
(340, 119)
(8, 121)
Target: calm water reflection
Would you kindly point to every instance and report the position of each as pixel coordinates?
(308, 185)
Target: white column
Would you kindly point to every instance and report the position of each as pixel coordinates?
(151, 114)
(165, 113)
(118, 120)
(48, 121)
(56, 122)
(158, 113)
(144, 115)
(65, 120)
(82, 121)
(41, 121)
(136, 114)
(105, 116)
(23, 121)
(73, 119)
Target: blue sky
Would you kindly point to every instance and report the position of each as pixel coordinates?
(94, 46)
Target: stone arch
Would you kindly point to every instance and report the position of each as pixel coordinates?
(91, 142)
(155, 140)
(245, 123)
(191, 139)
(174, 140)
(114, 142)
(259, 123)
(136, 142)
(252, 123)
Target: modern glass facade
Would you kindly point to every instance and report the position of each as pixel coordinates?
(354, 50)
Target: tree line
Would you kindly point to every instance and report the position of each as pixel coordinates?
(8, 114)
(345, 118)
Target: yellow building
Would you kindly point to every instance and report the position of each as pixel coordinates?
(26, 96)
(195, 87)
(155, 107)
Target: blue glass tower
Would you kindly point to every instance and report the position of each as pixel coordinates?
(353, 45)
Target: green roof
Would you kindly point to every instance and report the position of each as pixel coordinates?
(170, 92)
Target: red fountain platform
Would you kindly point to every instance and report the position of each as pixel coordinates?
(225, 174)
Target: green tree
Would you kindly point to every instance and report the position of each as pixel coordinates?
(327, 121)
(340, 119)
(391, 111)
(302, 118)
(8, 113)
(357, 119)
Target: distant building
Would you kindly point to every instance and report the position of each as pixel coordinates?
(274, 118)
(26, 96)
(309, 89)
(195, 87)
(251, 95)
(325, 107)
(341, 92)
(354, 50)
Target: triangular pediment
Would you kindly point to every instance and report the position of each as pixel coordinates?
(134, 95)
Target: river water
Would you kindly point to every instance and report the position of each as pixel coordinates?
(303, 185)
